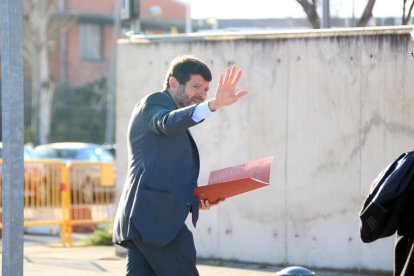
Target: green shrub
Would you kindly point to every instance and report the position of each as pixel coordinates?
(100, 237)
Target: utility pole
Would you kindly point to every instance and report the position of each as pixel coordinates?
(12, 132)
(188, 19)
(325, 14)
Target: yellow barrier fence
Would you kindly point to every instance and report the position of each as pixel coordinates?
(68, 195)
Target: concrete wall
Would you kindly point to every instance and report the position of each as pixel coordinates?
(333, 108)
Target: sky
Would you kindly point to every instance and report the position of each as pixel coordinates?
(201, 9)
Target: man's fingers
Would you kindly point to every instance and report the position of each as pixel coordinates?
(231, 75)
(221, 80)
(237, 78)
(205, 204)
(226, 75)
(240, 94)
(225, 93)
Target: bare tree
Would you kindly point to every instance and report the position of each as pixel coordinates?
(406, 17)
(37, 16)
(310, 8)
(37, 34)
(367, 14)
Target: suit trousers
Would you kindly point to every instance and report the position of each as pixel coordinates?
(178, 258)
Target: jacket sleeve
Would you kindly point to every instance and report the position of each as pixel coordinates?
(163, 117)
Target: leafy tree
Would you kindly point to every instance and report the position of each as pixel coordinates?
(79, 114)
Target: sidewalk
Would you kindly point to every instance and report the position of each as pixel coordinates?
(44, 256)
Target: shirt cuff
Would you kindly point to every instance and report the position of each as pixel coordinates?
(201, 112)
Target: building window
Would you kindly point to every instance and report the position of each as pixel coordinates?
(90, 41)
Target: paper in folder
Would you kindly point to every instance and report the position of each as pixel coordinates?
(236, 180)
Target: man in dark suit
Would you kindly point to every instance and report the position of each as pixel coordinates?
(163, 168)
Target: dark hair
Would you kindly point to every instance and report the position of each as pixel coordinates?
(182, 67)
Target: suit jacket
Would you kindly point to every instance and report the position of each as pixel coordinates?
(163, 168)
(387, 209)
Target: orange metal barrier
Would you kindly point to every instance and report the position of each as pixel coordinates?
(67, 194)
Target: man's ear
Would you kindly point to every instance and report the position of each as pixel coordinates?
(173, 83)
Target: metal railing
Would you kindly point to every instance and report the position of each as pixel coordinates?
(67, 194)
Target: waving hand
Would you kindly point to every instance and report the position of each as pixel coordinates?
(226, 91)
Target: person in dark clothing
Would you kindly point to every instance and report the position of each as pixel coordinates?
(163, 168)
(389, 209)
(404, 242)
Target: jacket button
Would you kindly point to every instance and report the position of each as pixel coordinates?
(188, 204)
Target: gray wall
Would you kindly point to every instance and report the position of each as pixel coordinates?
(333, 107)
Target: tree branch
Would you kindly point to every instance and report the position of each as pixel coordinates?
(367, 14)
(310, 10)
(406, 19)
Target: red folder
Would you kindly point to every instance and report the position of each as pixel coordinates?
(236, 180)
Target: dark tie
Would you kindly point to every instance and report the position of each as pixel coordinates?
(195, 206)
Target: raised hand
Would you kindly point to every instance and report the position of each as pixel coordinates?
(226, 91)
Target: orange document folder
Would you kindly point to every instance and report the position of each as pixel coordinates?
(236, 180)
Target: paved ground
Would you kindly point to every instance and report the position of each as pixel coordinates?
(44, 256)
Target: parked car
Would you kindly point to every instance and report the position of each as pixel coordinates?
(87, 183)
(73, 151)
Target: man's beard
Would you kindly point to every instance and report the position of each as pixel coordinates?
(182, 100)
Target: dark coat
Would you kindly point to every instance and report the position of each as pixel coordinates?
(389, 208)
(383, 211)
(163, 168)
